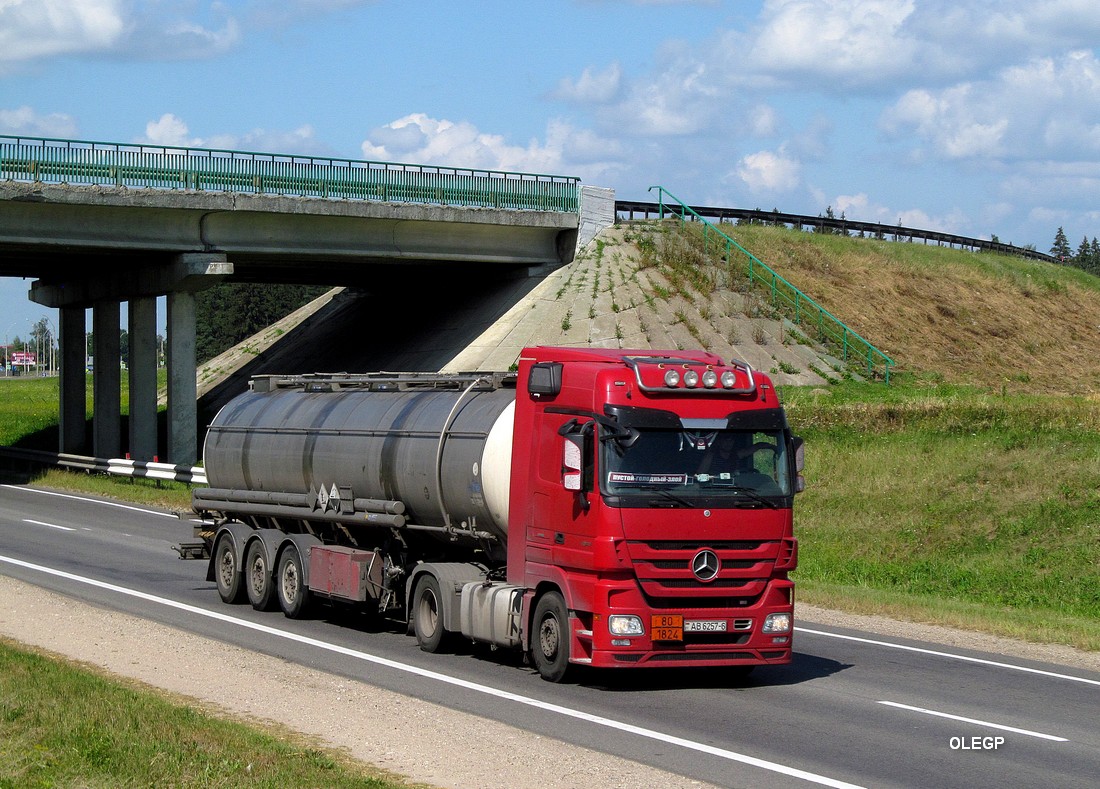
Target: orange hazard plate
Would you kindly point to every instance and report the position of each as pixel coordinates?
(666, 627)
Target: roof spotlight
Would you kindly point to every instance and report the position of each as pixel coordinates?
(710, 379)
(729, 379)
(691, 379)
(672, 378)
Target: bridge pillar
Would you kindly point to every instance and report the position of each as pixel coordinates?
(106, 380)
(142, 334)
(182, 387)
(73, 380)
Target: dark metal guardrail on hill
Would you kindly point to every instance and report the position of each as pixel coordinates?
(784, 295)
(629, 208)
(81, 162)
(195, 475)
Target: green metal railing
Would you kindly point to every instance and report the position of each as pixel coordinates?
(785, 296)
(118, 164)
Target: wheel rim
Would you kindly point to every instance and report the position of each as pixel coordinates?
(226, 567)
(256, 573)
(549, 637)
(427, 613)
(290, 583)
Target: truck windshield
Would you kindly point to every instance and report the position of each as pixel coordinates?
(718, 463)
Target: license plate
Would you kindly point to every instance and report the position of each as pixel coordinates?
(705, 626)
(666, 627)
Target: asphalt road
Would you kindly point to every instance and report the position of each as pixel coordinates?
(852, 709)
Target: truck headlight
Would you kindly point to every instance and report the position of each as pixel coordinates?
(624, 625)
(777, 623)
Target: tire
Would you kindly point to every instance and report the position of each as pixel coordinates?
(227, 570)
(256, 572)
(294, 596)
(550, 637)
(426, 614)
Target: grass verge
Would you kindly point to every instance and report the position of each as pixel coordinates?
(62, 725)
(953, 505)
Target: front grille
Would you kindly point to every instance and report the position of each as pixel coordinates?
(678, 545)
(685, 564)
(695, 583)
(677, 604)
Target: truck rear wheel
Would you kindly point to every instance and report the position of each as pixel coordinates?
(257, 577)
(294, 596)
(427, 614)
(227, 570)
(550, 637)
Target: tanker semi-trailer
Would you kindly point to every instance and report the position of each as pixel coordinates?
(606, 508)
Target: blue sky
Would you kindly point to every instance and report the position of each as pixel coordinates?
(978, 117)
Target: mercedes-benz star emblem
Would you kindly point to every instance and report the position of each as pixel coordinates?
(705, 565)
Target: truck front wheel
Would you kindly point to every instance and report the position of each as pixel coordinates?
(227, 570)
(257, 577)
(550, 637)
(427, 614)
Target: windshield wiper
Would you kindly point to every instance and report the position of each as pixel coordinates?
(752, 494)
(670, 496)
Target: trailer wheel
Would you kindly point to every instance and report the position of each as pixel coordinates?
(257, 577)
(294, 596)
(427, 614)
(227, 570)
(550, 637)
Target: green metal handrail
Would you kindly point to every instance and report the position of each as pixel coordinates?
(208, 169)
(786, 295)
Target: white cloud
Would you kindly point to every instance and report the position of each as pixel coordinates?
(170, 131)
(1046, 108)
(860, 208)
(45, 28)
(847, 41)
(763, 121)
(770, 171)
(169, 30)
(566, 150)
(592, 87)
(26, 121)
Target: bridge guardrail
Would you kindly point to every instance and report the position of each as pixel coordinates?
(83, 162)
(194, 475)
(840, 225)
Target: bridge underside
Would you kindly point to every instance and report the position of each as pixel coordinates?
(93, 247)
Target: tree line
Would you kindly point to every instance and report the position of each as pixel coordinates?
(1087, 256)
(231, 312)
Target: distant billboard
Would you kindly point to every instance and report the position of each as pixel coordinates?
(24, 358)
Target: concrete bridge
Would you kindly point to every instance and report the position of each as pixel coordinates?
(99, 224)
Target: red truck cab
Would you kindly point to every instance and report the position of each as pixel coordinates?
(650, 511)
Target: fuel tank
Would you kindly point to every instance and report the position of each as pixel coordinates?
(387, 444)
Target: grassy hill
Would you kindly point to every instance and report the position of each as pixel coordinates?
(950, 315)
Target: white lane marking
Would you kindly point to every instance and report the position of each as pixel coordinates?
(51, 525)
(986, 724)
(93, 501)
(950, 655)
(433, 675)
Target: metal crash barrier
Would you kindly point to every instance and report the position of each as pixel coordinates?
(142, 469)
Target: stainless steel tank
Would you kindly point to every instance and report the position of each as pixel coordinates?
(383, 444)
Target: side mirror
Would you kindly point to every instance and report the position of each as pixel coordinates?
(572, 462)
(799, 447)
